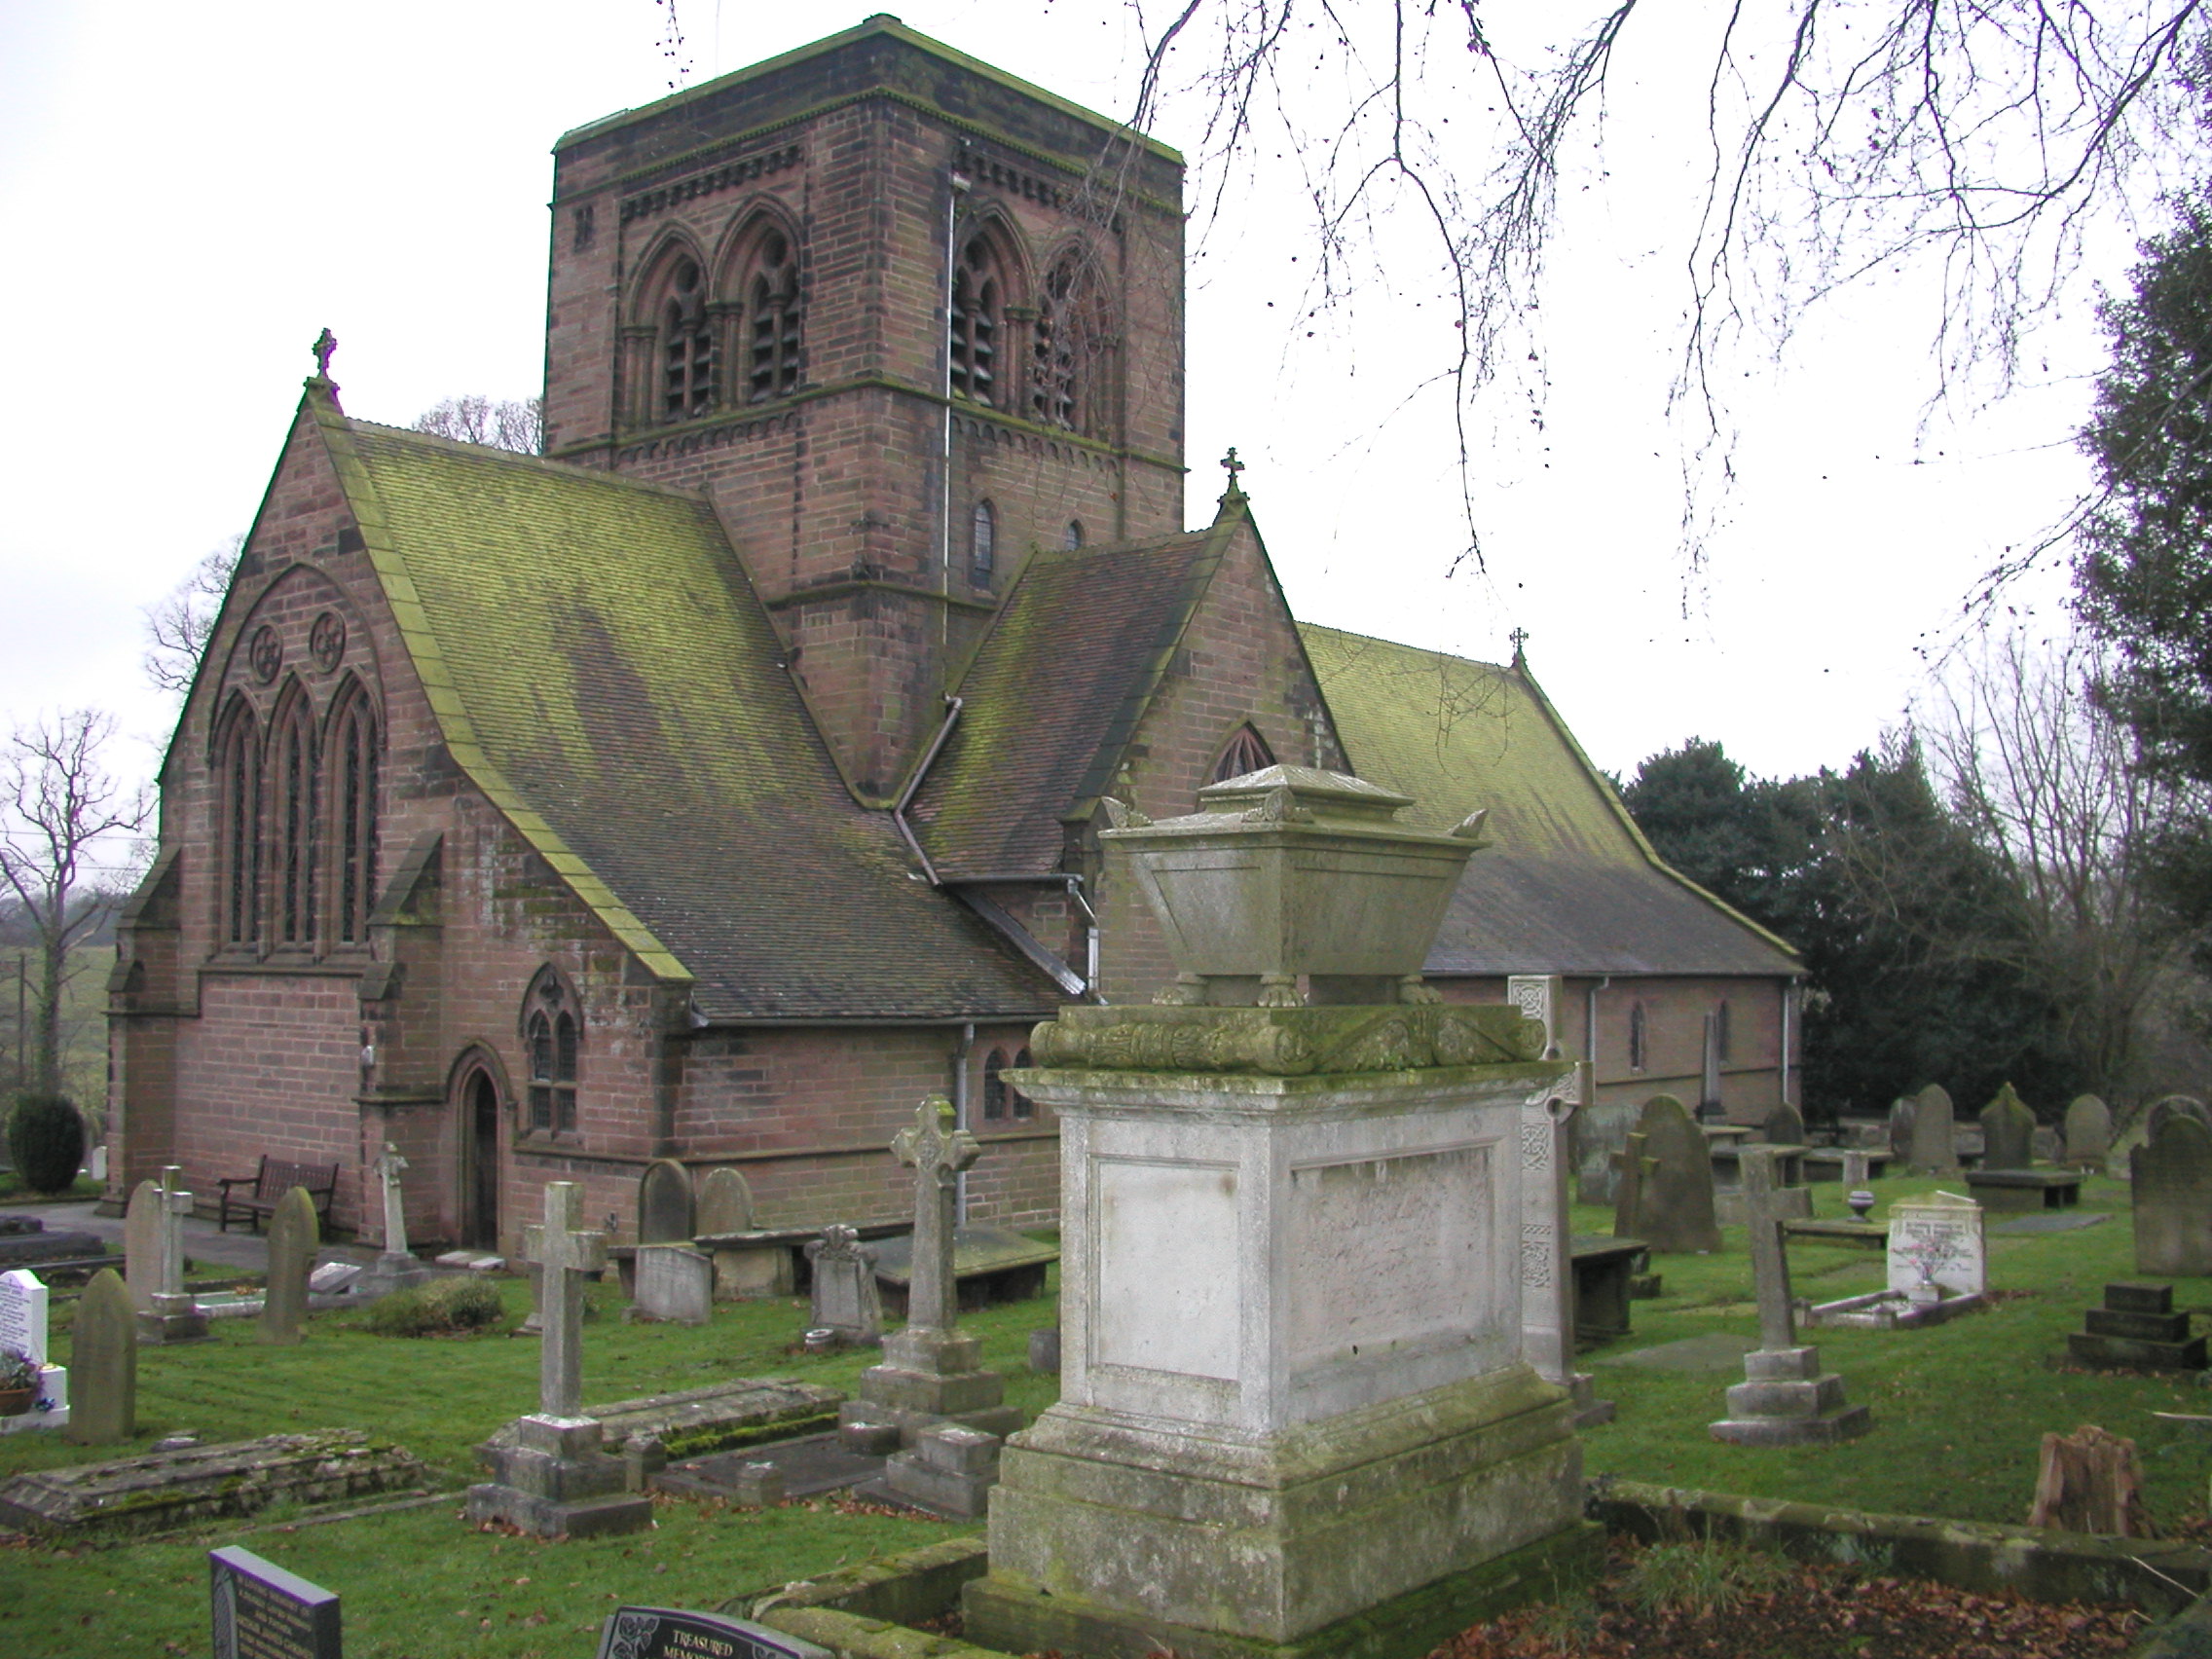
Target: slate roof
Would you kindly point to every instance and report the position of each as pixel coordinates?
(1569, 885)
(601, 670)
(1053, 696)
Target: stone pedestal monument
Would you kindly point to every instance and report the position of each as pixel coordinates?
(1312, 1275)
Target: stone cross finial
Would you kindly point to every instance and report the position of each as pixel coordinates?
(1520, 638)
(1233, 466)
(936, 1151)
(564, 1252)
(325, 346)
(1770, 1260)
(386, 1169)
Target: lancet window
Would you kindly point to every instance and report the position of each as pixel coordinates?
(239, 833)
(1067, 348)
(294, 822)
(979, 298)
(771, 293)
(995, 1090)
(1023, 1106)
(552, 1035)
(982, 545)
(1639, 1038)
(355, 761)
(688, 367)
(1248, 752)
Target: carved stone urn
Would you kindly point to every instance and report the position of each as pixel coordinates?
(1289, 875)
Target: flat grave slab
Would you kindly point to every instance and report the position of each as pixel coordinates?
(2025, 1189)
(692, 1422)
(160, 1490)
(989, 1263)
(810, 1464)
(2053, 1220)
(1718, 1352)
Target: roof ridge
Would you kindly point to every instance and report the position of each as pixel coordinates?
(1403, 645)
(519, 457)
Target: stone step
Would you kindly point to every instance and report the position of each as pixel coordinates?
(2127, 1353)
(2143, 1327)
(2135, 1296)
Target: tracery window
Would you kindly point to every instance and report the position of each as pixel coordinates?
(1067, 348)
(688, 369)
(238, 832)
(982, 545)
(354, 789)
(979, 298)
(771, 319)
(995, 1090)
(1248, 752)
(1639, 1038)
(294, 820)
(552, 1034)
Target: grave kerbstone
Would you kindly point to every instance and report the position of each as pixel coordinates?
(2007, 1132)
(22, 1330)
(161, 1490)
(846, 1298)
(294, 1236)
(1937, 1241)
(261, 1611)
(26, 1241)
(1674, 1212)
(2136, 1330)
(1935, 1139)
(676, 1283)
(692, 1422)
(2171, 1177)
(104, 1358)
(666, 1214)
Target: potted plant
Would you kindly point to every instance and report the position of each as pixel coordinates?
(19, 1383)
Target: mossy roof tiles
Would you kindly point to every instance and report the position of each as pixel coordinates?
(601, 669)
(1569, 885)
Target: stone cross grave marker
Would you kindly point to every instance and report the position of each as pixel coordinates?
(1937, 1240)
(846, 1297)
(293, 1238)
(2007, 1132)
(1770, 1259)
(2171, 1180)
(564, 1252)
(386, 1170)
(261, 1611)
(937, 1153)
(1935, 1149)
(104, 1358)
(1675, 1214)
(1634, 1169)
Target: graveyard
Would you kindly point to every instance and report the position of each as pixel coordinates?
(1957, 1412)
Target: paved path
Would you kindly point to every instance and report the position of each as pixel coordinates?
(241, 1251)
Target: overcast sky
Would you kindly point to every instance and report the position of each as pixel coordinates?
(192, 193)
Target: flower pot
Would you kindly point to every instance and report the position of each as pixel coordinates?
(15, 1402)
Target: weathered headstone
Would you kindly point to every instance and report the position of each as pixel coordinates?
(1784, 1127)
(668, 1633)
(1902, 1112)
(104, 1360)
(2173, 1106)
(665, 1210)
(1631, 1168)
(674, 1283)
(261, 1611)
(1934, 1142)
(1674, 1211)
(1784, 1398)
(293, 1238)
(2007, 1132)
(2172, 1182)
(846, 1297)
(1858, 1169)
(725, 1204)
(1937, 1242)
(154, 1235)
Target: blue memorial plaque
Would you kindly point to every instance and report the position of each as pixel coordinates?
(669, 1633)
(261, 1611)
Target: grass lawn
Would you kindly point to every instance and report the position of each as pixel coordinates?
(1959, 1412)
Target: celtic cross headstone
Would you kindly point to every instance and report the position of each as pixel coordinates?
(937, 1153)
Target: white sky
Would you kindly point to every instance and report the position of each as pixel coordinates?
(192, 193)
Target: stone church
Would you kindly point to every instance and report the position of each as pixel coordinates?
(726, 779)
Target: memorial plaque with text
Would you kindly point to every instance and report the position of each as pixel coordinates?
(261, 1611)
(667, 1632)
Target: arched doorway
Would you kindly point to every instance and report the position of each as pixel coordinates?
(480, 1177)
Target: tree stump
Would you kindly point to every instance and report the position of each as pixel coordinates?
(2090, 1482)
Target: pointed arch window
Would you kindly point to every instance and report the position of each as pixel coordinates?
(1071, 539)
(770, 292)
(982, 545)
(1639, 1038)
(355, 786)
(1023, 1106)
(1248, 752)
(552, 1038)
(239, 833)
(994, 1087)
(688, 367)
(1067, 348)
(979, 299)
(295, 820)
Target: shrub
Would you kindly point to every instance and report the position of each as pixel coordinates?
(443, 1307)
(46, 1141)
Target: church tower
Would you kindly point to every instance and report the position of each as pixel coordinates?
(906, 318)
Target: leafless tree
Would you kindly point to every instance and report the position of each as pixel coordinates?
(1987, 140)
(177, 626)
(61, 815)
(510, 423)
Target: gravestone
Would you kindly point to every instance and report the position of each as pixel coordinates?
(1858, 1169)
(261, 1611)
(1934, 1141)
(1937, 1241)
(154, 1258)
(931, 1372)
(1786, 1398)
(1784, 1127)
(22, 1330)
(550, 1473)
(2173, 1106)
(293, 1238)
(1631, 1168)
(665, 1211)
(725, 1204)
(669, 1633)
(846, 1298)
(103, 1359)
(1675, 1213)
(2171, 1177)
(676, 1283)
(2007, 1132)
(1904, 1112)
(395, 1266)
(2136, 1330)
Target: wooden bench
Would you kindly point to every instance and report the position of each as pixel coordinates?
(270, 1182)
